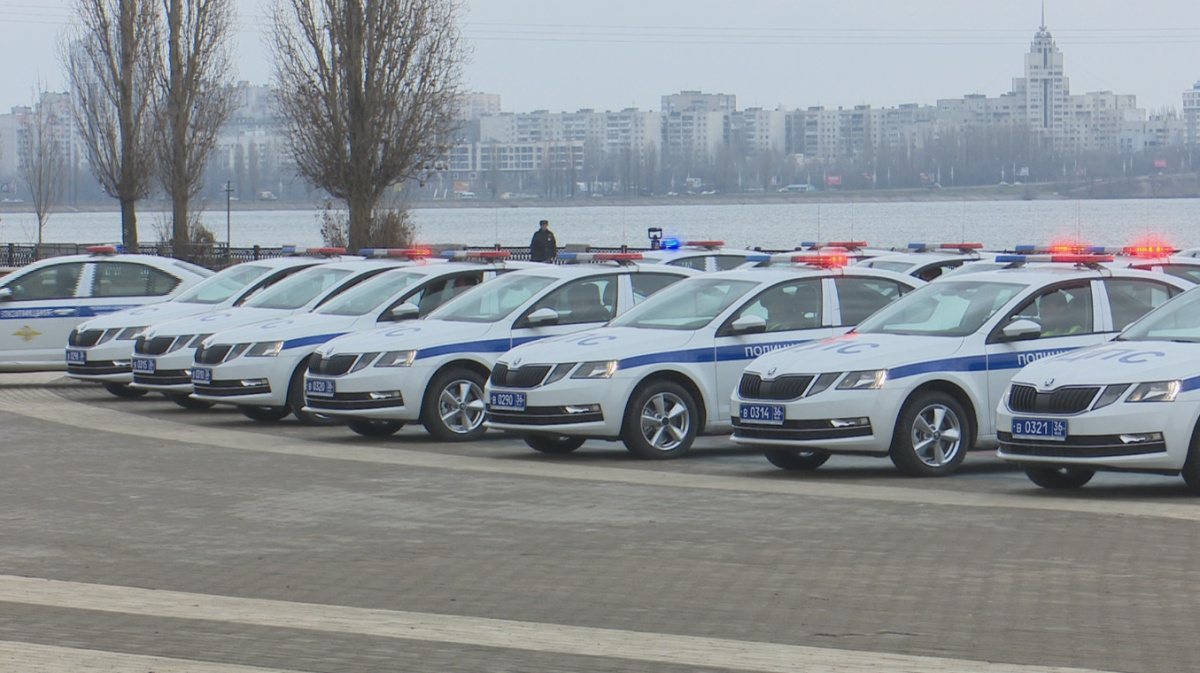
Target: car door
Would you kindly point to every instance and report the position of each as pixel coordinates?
(794, 312)
(1070, 318)
(116, 286)
(38, 310)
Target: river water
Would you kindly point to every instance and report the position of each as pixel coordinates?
(996, 224)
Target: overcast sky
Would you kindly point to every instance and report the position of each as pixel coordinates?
(565, 55)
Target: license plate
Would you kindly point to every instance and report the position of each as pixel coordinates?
(75, 357)
(508, 401)
(318, 388)
(766, 414)
(201, 375)
(1036, 428)
(144, 365)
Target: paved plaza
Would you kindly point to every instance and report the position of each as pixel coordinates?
(139, 537)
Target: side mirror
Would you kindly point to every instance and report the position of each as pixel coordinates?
(6, 294)
(404, 311)
(542, 316)
(748, 324)
(1021, 330)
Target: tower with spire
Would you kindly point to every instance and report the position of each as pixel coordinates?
(1043, 93)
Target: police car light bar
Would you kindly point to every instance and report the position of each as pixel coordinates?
(476, 254)
(1082, 258)
(707, 245)
(961, 247)
(1148, 250)
(580, 257)
(101, 249)
(848, 245)
(403, 253)
(296, 250)
(822, 260)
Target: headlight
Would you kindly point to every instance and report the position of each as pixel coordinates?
(264, 349)
(130, 333)
(870, 379)
(397, 359)
(1110, 395)
(1156, 391)
(599, 369)
(179, 342)
(108, 335)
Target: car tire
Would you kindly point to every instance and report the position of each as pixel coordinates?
(1191, 465)
(660, 421)
(264, 414)
(295, 400)
(1059, 477)
(374, 428)
(453, 408)
(797, 460)
(932, 435)
(124, 391)
(558, 444)
(187, 401)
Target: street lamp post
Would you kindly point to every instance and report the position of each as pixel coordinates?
(228, 221)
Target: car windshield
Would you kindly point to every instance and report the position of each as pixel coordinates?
(687, 305)
(368, 296)
(1176, 320)
(224, 285)
(944, 308)
(898, 267)
(494, 300)
(299, 289)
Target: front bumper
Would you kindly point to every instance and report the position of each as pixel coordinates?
(105, 363)
(251, 381)
(374, 393)
(573, 407)
(838, 421)
(172, 372)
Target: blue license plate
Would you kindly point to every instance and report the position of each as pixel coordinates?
(318, 388)
(765, 414)
(507, 401)
(1037, 428)
(75, 357)
(144, 365)
(201, 375)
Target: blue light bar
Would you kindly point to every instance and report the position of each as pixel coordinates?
(1011, 259)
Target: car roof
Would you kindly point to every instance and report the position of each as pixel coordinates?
(1042, 273)
(770, 274)
(602, 268)
(164, 263)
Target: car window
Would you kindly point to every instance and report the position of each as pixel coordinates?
(1179, 320)
(1132, 298)
(696, 263)
(57, 281)
(296, 291)
(944, 308)
(592, 299)
(646, 284)
(126, 279)
(1061, 311)
(860, 297)
(223, 285)
(727, 262)
(369, 295)
(789, 306)
(1188, 272)
(495, 300)
(688, 305)
(898, 267)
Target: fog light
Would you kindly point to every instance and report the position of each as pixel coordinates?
(849, 422)
(122, 363)
(1141, 437)
(582, 408)
(385, 395)
(252, 383)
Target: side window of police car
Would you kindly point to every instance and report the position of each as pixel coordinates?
(1132, 298)
(439, 292)
(1061, 311)
(646, 284)
(57, 281)
(123, 279)
(792, 306)
(727, 262)
(698, 263)
(581, 301)
(860, 297)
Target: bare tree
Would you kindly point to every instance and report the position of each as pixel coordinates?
(43, 159)
(198, 98)
(368, 93)
(111, 57)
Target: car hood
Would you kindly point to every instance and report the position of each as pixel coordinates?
(142, 316)
(1117, 362)
(630, 345)
(902, 355)
(297, 329)
(214, 321)
(429, 337)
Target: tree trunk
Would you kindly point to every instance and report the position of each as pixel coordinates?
(177, 112)
(129, 235)
(361, 204)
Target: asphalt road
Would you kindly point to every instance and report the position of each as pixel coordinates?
(140, 537)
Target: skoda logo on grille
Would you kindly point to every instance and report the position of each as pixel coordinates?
(516, 362)
(772, 370)
(1049, 382)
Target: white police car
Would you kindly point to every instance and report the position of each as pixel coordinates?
(163, 354)
(41, 303)
(1130, 404)
(662, 374)
(432, 371)
(928, 261)
(698, 255)
(101, 349)
(261, 365)
(919, 380)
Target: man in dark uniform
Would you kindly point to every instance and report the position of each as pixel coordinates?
(543, 247)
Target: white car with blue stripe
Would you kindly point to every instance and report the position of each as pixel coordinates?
(1132, 404)
(432, 371)
(100, 350)
(41, 303)
(662, 374)
(262, 364)
(919, 381)
(699, 255)
(163, 355)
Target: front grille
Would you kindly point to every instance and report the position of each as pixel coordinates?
(798, 430)
(528, 376)
(1027, 399)
(1077, 446)
(99, 368)
(753, 387)
(155, 346)
(543, 416)
(214, 355)
(86, 338)
(331, 366)
(164, 377)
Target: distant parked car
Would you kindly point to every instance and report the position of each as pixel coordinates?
(798, 188)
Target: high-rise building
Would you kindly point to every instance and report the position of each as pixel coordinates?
(1191, 115)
